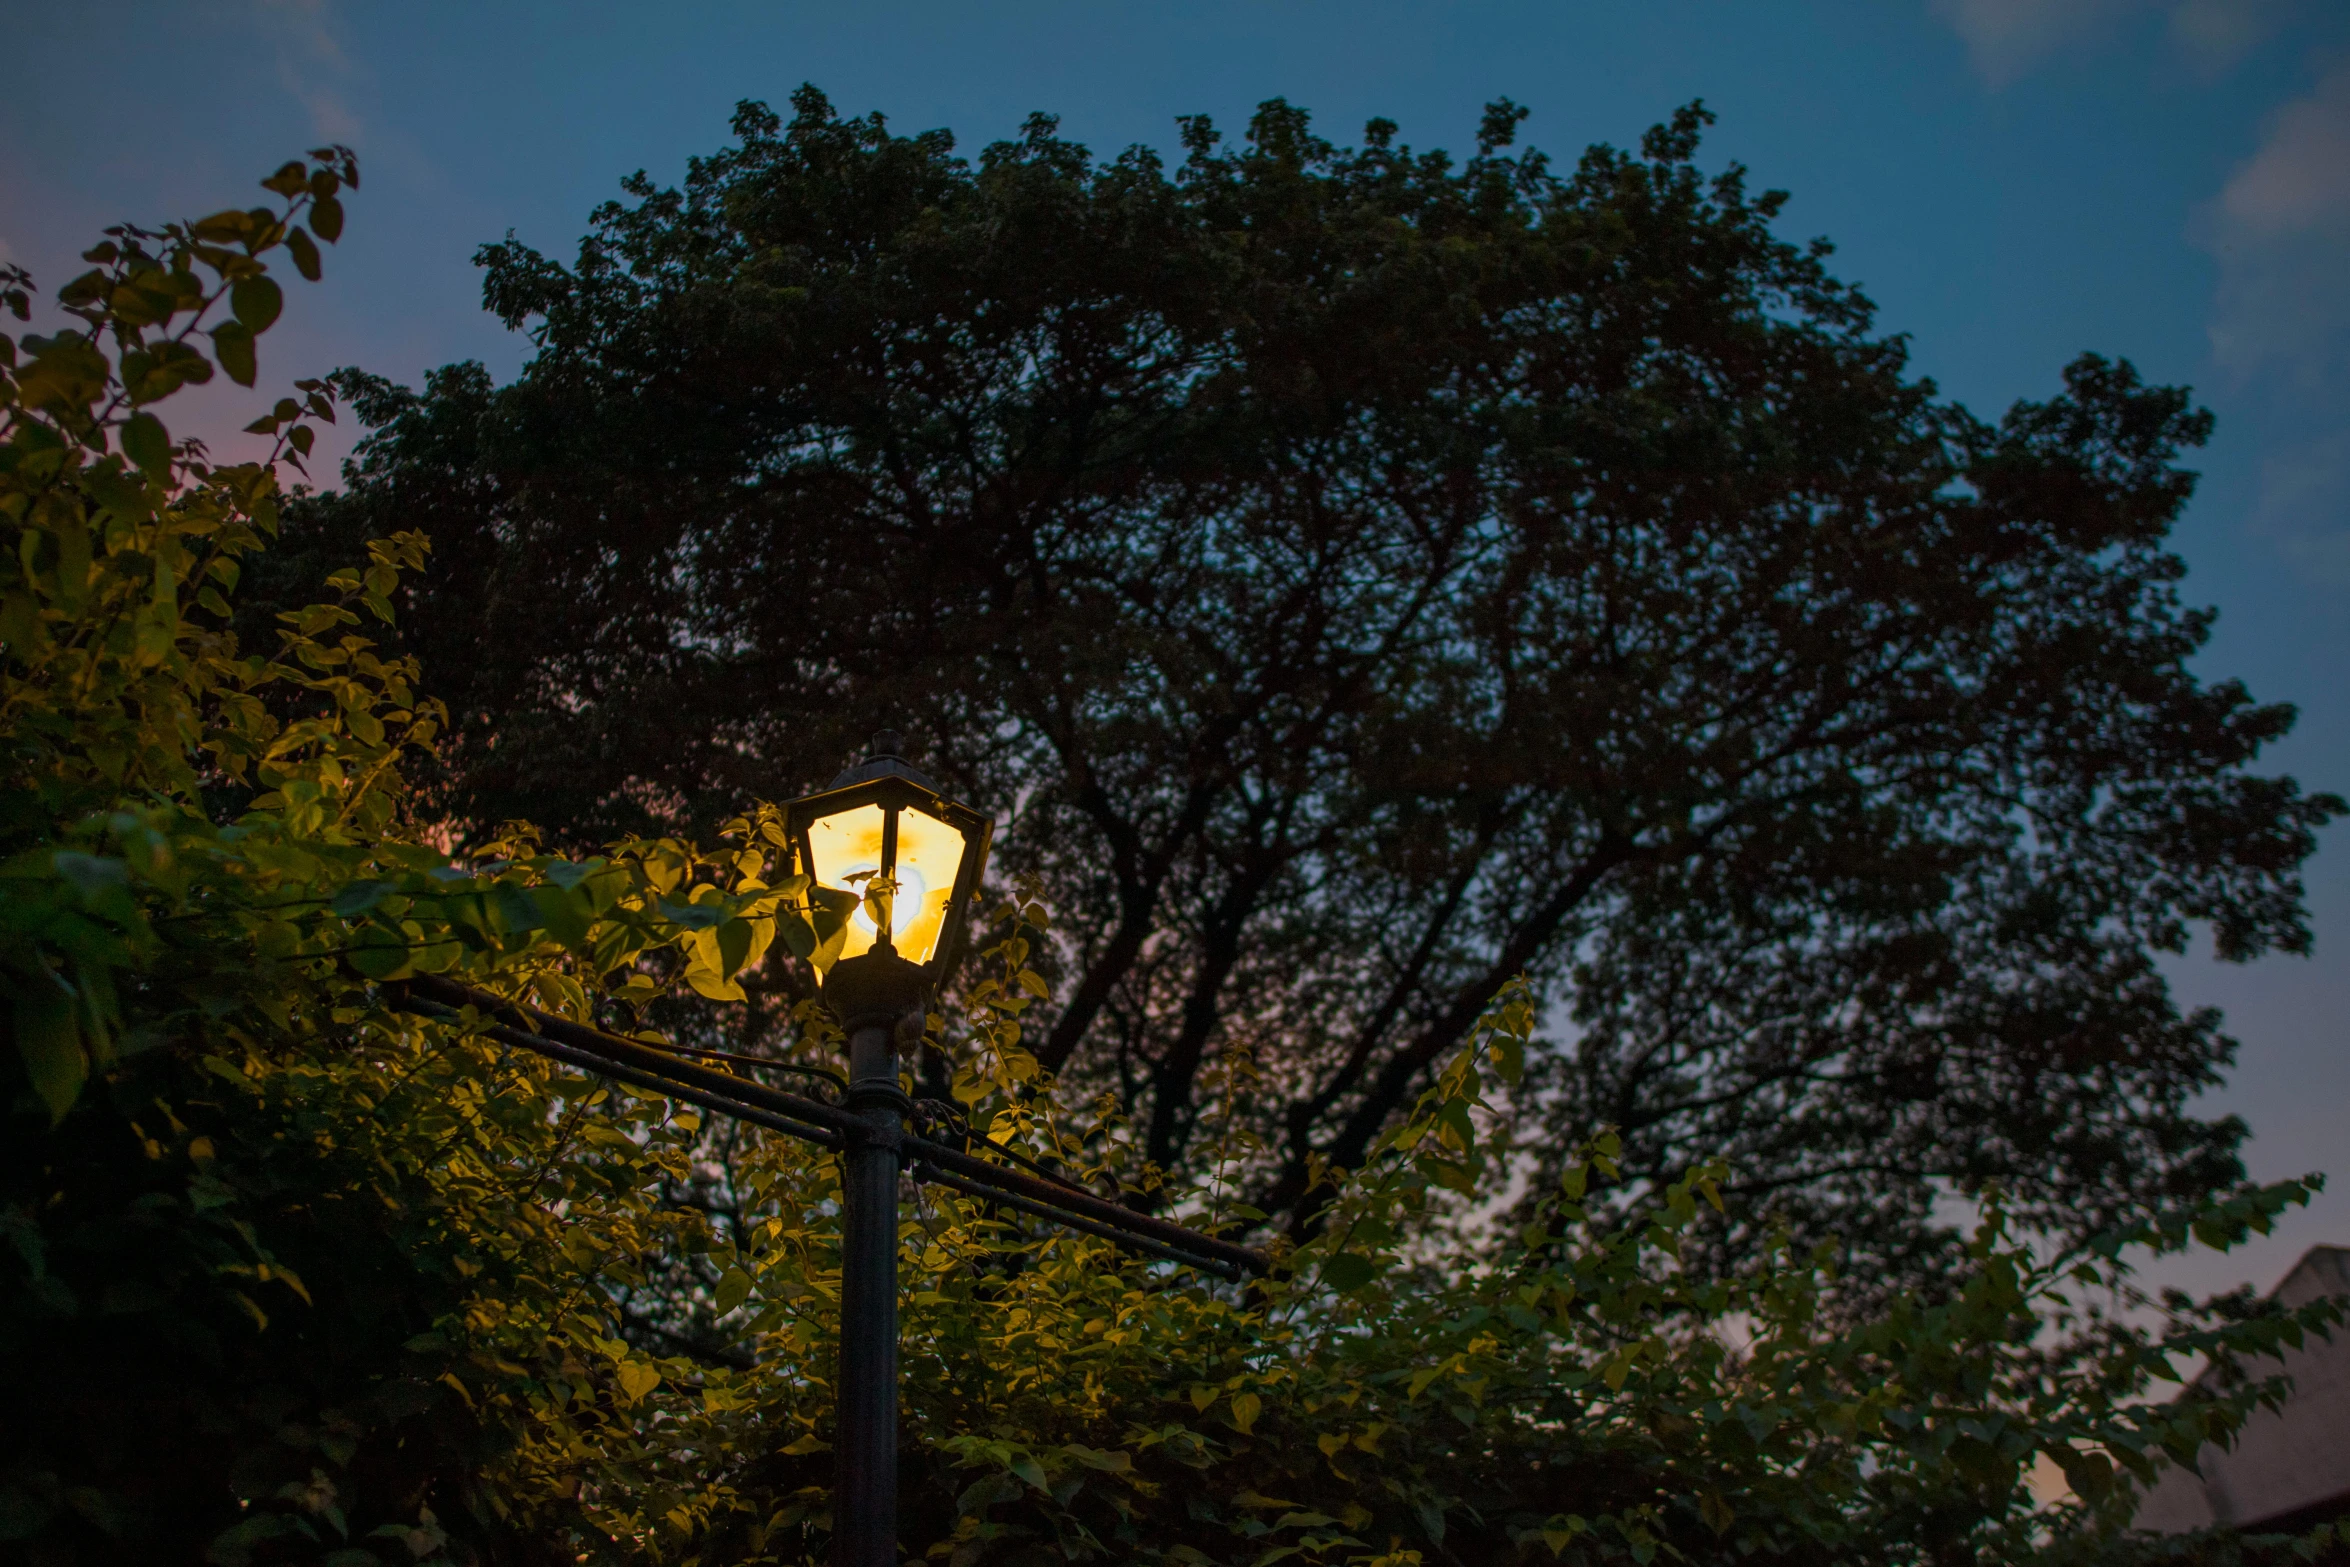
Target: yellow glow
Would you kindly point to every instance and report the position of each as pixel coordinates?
(929, 854)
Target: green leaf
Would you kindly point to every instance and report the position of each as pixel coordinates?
(380, 956)
(707, 982)
(223, 228)
(799, 937)
(513, 908)
(636, 1379)
(326, 218)
(733, 1290)
(1108, 1462)
(1453, 1177)
(87, 289)
(20, 630)
(1349, 1271)
(563, 913)
(1245, 1408)
(360, 896)
(234, 1547)
(829, 912)
(305, 254)
(91, 875)
(734, 945)
(145, 442)
(51, 1045)
(256, 301)
(693, 916)
(232, 345)
(2089, 1474)
(154, 373)
(66, 371)
(568, 874)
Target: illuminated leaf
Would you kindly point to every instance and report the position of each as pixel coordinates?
(635, 1379)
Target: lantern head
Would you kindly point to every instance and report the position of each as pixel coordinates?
(893, 866)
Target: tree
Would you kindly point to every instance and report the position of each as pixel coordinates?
(1363, 579)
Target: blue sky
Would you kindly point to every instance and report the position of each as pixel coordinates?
(2012, 180)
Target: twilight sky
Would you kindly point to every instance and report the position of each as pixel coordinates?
(2012, 180)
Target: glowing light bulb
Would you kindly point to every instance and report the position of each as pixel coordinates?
(846, 849)
(904, 910)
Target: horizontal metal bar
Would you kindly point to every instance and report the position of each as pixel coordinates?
(604, 1066)
(650, 1066)
(1068, 1200)
(635, 1054)
(924, 1170)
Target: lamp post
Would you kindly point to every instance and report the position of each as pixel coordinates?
(893, 866)
(899, 863)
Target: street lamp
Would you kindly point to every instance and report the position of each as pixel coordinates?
(893, 866)
(884, 848)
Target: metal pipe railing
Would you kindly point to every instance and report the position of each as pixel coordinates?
(649, 1066)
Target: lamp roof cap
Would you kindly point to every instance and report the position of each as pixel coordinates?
(883, 761)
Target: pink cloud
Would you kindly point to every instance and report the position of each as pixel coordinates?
(2008, 38)
(2280, 228)
(2299, 180)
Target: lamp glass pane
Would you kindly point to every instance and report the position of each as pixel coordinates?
(929, 854)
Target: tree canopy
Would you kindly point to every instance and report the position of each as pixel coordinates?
(1360, 578)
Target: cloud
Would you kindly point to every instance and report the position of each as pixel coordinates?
(2218, 33)
(2280, 229)
(2280, 322)
(311, 64)
(2007, 38)
(2299, 180)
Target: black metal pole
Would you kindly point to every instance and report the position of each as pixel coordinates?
(865, 1497)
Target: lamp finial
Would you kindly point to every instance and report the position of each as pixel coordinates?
(884, 757)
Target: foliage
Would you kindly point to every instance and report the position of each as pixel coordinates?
(1373, 578)
(284, 1268)
(1574, 1394)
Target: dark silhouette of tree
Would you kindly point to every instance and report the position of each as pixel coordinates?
(1359, 578)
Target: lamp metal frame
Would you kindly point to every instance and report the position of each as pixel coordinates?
(899, 789)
